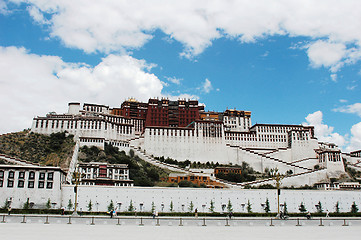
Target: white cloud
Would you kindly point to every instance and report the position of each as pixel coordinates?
(3, 8)
(334, 77)
(37, 15)
(175, 80)
(35, 85)
(207, 86)
(351, 88)
(323, 132)
(326, 54)
(355, 140)
(112, 25)
(353, 108)
(343, 101)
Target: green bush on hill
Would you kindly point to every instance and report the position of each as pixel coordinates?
(53, 150)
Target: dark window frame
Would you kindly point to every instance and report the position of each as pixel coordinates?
(10, 183)
(31, 184)
(21, 184)
(41, 175)
(49, 185)
(21, 175)
(41, 184)
(31, 175)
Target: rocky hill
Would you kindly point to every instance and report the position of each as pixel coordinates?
(53, 150)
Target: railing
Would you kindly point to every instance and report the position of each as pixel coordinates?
(177, 221)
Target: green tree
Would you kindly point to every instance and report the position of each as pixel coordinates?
(191, 206)
(211, 207)
(267, 208)
(110, 206)
(249, 206)
(171, 206)
(131, 207)
(302, 208)
(153, 207)
(6, 204)
(70, 205)
(90, 205)
(337, 207)
(319, 207)
(229, 206)
(26, 204)
(48, 204)
(354, 208)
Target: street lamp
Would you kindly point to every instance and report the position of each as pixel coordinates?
(278, 177)
(77, 177)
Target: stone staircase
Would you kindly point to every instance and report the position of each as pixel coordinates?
(264, 156)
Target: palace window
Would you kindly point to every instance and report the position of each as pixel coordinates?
(50, 176)
(49, 185)
(20, 183)
(41, 184)
(31, 184)
(10, 183)
(11, 174)
(22, 175)
(42, 176)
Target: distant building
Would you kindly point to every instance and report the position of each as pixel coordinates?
(195, 179)
(338, 186)
(96, 173)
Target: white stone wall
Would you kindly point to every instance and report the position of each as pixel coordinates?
(181, 198)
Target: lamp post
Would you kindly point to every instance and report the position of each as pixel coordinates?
(278, 177)
(76, 176)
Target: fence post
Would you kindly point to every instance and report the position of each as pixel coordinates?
(344, 223)
(141, 222)
(46, 220)
(271, 222)
(180, 222)
(298, 222)
(204, 222)
(321, 224)
(24, 219)
(69, 220)
(3, 221)
(157, 222)
(92, 223)
(118, 223)
(227, 224)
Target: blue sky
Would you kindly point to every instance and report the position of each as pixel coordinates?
(289, 62)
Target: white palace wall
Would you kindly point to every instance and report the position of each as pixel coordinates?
(201, 198)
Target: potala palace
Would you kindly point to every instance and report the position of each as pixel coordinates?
(180, 130)
(184, 130)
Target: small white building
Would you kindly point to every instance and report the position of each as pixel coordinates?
(36, 184)
(98, 173)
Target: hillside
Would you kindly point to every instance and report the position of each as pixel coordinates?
(143, 173)
(53, 150)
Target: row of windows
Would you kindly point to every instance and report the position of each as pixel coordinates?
(278, 129)
(31, 175)
(171, 132)
(21, 184)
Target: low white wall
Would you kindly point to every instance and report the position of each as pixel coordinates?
(101, 197)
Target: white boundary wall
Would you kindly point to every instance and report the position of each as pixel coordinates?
(101, 197)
